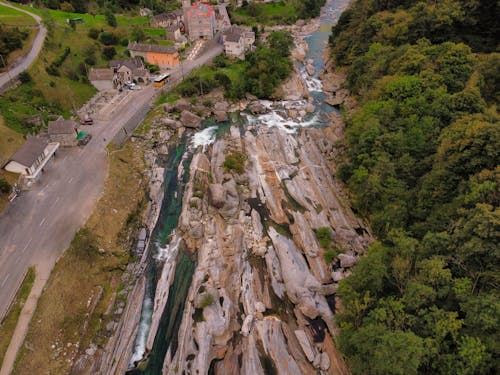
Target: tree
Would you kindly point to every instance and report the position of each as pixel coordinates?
(281, 42)
(108, 38)
(93, 33)
(109, 52)
(67, 7)
(110, 18)
(4, 186)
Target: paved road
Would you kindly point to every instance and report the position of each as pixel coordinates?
(39, 225)
(5, 78)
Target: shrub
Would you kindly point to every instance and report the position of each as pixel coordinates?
(67, 7)
(108, 38)
(110, 18)
(93, 33)
(24, 77)
(208, 103)
(324, 236)
(330, 254)
(207, 300)
(4, 186)
(235, 162)
(109, 52)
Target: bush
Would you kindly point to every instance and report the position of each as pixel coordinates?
(324, 236)
(109, 52)
(235, 162)
(25, 77)
(208, 103)
(90, 60)
(330, 254)
(108, 38)
(207, 300)
(67, 7)
(93, 33)
(52, 70)
(110, 18)
(4, 186)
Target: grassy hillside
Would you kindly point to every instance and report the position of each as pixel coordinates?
(422, 164)
(68, 88)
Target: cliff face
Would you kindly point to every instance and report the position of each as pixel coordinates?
(262, 297)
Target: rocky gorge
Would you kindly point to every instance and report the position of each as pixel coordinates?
(242, 283)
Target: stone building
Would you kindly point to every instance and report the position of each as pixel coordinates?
(63, 132)
(102, 78)
(237, 41)
(200, 21)
(132, 69)
(163, 56)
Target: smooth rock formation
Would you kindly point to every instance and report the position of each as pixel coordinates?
(190, 120)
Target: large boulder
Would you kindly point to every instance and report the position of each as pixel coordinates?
(190, 120)
(182, 105)
(347, 260)
(221, 106)
(173, 124)
(220, 116)
(216, 195)
(168, 108)
(257, 108)
(310, 69)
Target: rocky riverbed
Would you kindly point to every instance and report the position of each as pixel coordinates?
(261, 296)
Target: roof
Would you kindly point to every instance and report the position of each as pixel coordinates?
(132, 63)
(62, 127)
(173, 27)
(164, 17)
(233, 38)
(30, 151)
(100, 74)
(201, 9)
(142, 47)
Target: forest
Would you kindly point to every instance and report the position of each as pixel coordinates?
(422, 164)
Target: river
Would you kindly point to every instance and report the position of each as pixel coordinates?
(162, 252)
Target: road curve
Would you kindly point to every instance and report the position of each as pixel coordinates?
(27, 60)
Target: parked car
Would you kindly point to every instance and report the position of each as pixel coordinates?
(83, 140)
(136, 87)
(87, 121)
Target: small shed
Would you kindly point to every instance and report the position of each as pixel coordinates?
(63, 131)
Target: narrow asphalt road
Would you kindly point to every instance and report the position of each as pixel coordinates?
(13, 72)
(39, 225)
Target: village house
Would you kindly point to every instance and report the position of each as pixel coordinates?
(163, 20)
(237, 42)
(64, 132)
(163, 56)
(31, 158)
(200, 21)
(102, 78)
(128, 70)
(174, 32)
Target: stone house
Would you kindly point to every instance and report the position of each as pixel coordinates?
(200, 20)
(132, 69)
(174, 32)
(237, 41)
(102, 78)
(163, 56)
(63, 132)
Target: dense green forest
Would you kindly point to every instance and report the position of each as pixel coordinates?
(423, 156)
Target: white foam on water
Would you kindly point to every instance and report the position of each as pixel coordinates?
(312, 83)
(273, 119)
(143, 331)
(204, 137)
(168, 252)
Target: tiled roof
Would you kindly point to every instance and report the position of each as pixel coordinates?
(62, 127)
(141, 47)
(132, 63)
(99, 74)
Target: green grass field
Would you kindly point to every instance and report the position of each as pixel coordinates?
(283, 12)
(9, 16)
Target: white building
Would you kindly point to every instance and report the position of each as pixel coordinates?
(31, 158)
